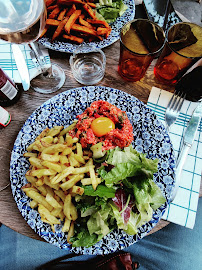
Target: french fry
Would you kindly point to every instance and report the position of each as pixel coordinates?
(56, 148)
(59, 29)
(71, 182)
(52, 22)
(67, 205)
(88, 181)
(67, 129)
(62, 175)
(60, 193)
(52, 201)
(30, 154)
(49, 2)
(71, 232)
(72, 20)
(50, 158)
(53, 166)
(49, 8)
(42, 172)
(64, 160)
(48, 183)
(85, 23)
(66, 225)
(46, 213)
(84, 29)
(62, 14)
(93, 177)
(36, 162)
(79, 149)
(33, 204)
(54, 13)
(76, 190)
(40, 199)
(89, 10)
(71, 11)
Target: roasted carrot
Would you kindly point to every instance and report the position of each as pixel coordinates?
(72, 19)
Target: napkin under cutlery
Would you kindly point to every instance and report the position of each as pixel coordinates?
(183, 208)
(7, 61)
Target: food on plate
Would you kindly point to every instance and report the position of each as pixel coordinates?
(110, 10)
(88, 131)
(90, 190)
(75, 21)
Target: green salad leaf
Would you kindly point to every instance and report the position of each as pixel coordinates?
(101, 191)
(110, 10)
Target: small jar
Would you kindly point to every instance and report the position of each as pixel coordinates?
(9, 93)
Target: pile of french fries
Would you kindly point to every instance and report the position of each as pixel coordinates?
(75, 21)
(57, 164)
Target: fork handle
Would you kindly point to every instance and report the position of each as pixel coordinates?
(179, 166)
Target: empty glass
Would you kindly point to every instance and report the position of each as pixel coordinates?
(88, 64)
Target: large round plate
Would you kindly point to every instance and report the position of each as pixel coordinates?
(114, 35)
(150, 137)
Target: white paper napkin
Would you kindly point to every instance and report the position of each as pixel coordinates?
(7, 61)
(183, 209)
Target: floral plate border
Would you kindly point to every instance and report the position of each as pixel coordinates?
(113, 37)
(150, 136)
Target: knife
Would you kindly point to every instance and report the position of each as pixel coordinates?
(22, 66)
(188, 140)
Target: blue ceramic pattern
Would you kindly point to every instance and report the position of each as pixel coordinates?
(113, 37)
(150, 137)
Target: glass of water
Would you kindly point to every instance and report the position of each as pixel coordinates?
(88, 64)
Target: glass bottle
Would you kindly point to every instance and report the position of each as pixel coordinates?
(9, 92)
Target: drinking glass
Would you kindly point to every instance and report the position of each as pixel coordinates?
(22, 21)
(140, 41)
(88, 64)
(183, 48)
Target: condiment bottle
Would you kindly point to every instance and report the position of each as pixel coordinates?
(9, 93)
(5, 117)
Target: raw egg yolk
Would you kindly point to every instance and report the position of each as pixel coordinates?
(101, 126)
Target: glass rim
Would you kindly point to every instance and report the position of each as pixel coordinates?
(168, 44)
(144, 54)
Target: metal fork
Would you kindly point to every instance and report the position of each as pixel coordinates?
(174, 107)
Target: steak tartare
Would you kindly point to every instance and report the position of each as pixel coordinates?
(121, 135)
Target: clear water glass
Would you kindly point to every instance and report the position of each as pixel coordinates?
(88, 64)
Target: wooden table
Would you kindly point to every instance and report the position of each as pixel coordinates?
(30, 100)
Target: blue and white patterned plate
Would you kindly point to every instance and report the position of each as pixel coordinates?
(150, 137)
(113, 37)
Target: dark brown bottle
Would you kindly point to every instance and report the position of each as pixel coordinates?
(9, 92)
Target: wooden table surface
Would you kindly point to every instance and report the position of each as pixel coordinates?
(30, 100)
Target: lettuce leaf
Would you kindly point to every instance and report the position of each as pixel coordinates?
(110, 10)
(101, 191)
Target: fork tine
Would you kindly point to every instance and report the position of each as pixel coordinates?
(173, 108)
(179, 102)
